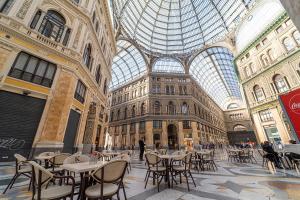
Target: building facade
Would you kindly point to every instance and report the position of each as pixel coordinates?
(269, 67)
(165, 109)
(54, 73)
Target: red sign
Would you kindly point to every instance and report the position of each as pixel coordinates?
(291, 103)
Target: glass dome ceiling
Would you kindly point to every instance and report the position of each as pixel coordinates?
(168, 65)
(177, 26)
(128, 64)
(213, 69)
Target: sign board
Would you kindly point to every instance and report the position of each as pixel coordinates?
(290, 103)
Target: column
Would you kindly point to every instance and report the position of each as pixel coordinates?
(260, 133)
(195, 133)
(137, 135)
(293, 9)
(164, 135)
(280, 126)
(180, 134)
(128, 141)
(149, 134)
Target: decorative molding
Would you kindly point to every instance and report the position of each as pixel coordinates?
(24, 9)
(77, 37)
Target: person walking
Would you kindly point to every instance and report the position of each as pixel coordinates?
(142, 149)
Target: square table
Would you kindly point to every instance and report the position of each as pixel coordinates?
(83, 169)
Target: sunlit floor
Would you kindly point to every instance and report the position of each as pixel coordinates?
(231, 181)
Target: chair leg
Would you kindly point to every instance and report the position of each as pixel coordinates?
(118, 196)
(124, 192)
(187, 181)
(192, 178)
(10, 183)
(14, 181)
(147, 178)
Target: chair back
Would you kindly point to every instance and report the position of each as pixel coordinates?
(19, 158)
(152, 159)
(41, 176)
(47, 153)
(76, 159)
(59, 159)
(111, 172)
(162, 151)
(187, 160)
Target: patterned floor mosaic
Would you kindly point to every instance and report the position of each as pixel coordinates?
(232, 181)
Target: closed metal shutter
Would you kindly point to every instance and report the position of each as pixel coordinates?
(19, 119)
(71, 132)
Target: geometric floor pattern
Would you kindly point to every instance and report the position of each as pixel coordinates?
(232, 181)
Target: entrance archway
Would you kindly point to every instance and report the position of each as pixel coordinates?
(172, 137)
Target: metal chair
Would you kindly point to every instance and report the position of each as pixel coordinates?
(154, 163)
(183, 169)
(22, 168)
(109, 181)
(41, 189)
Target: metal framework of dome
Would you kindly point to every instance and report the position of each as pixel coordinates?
(127, 65)
(168, 65)
(214, 71)
(177, 26)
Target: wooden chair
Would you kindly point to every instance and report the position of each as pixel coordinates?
(109, 181)
(41, 189)
(22, 168)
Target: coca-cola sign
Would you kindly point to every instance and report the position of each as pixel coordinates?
(295, 104)
(291, 106)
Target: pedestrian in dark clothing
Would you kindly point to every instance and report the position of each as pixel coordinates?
(142, 149)
(271, 154)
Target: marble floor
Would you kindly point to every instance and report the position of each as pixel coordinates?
(231, 181)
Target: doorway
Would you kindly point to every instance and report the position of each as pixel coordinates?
(71, 132)
(172, 137)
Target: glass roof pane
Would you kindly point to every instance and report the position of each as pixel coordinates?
(127, 65)
(168, 65)
(178, 26)
(213, 69)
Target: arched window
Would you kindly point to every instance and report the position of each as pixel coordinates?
(143, 109)
(184, 108)
(87, 55)
(98, 75)
(53, 25)
(248, 71)
(280, 83)
(105, 86)
(271, 54)
(157, 108)
(118, 114)
(133, 111)
(232, 106)
(125, 113)
(171, 108)
(289, 44)
(36, 19)
(97, 26)
(5, 5)
(112, 116)
(296, 36)
(239, 127)
(259, 93)
(265, 60)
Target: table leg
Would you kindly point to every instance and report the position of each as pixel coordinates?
(84, 182)
(168, 174)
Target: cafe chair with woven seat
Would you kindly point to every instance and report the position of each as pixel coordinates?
(209, 161)
(183, 169)
(42, 190)
(154, 163)
(109, 181)
(22, 168)
(57, 161)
